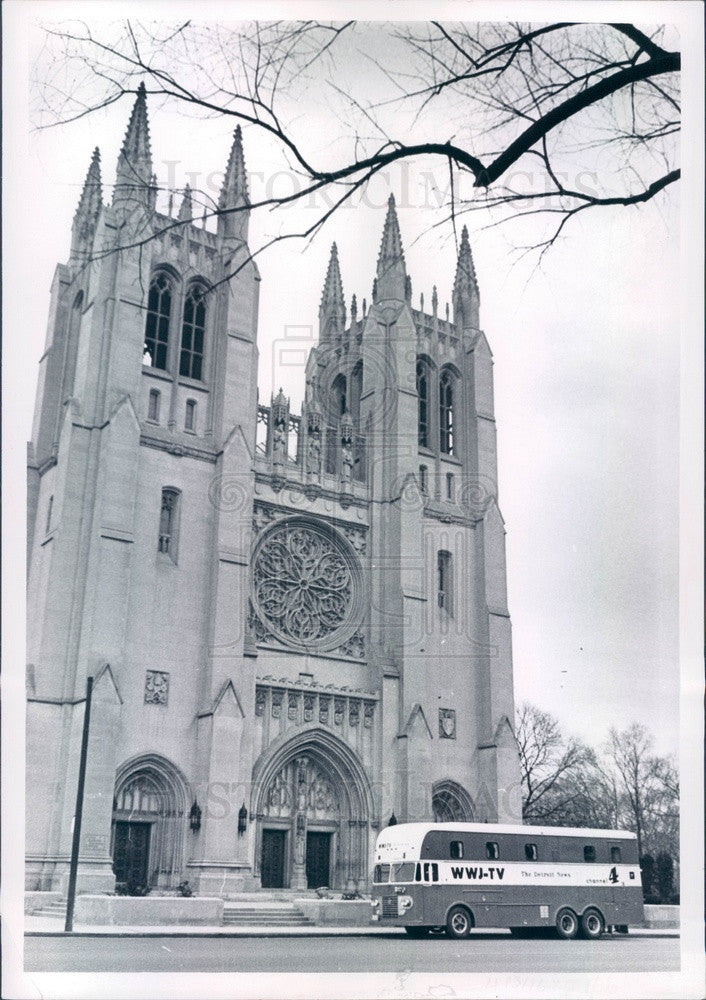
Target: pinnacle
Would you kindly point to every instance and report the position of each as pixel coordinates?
(391, 271)
(235, 182)
(186, 209)
(280, 399)
(91, 194)
(133, 175)
(391, 250)
(332, 295)
(137, 136)
(465, 280)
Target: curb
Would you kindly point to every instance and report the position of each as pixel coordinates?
(269, 932)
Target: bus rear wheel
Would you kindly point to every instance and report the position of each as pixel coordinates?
(567, 924)
(459, 922)
(592, 924)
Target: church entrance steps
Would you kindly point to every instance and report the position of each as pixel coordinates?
(57, 908)
(263, 914)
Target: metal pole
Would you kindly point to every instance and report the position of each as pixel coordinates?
(73, 868)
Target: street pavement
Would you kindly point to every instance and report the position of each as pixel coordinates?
(356, 951)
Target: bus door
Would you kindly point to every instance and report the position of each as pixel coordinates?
(426, 873)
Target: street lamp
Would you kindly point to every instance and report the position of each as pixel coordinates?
(195, 817)
(242, 820)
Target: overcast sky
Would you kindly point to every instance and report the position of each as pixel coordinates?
(586, 353)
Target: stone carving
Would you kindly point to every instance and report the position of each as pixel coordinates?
(156, 687)
(368, 715)
(262, 516)
(293, 705)
(324, 704)
(447, 723)
(302, 584)
(338, 708)
(279, 443)
(301, 765)
(277, 699)
(355, 647)
(256, 626)
(308, 708)
(260, 701)
(356, 536)
(313, 456)
(279, 798)
(346, 463)
(353, 713)
(300, 788)
(300, 840)
(322, 798)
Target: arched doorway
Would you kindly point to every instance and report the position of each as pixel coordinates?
(149, 816)
(451, 803)
(312, 803)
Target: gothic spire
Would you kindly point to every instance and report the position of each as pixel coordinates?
(466, 297)
(89, 204)
(134, 171)
(186, 209)
(88, 209)
(332, 311)
(391, 270)
(234, 192)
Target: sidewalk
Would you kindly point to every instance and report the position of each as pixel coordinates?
(38, 926)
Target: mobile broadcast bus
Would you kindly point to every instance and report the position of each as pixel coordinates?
(456, 876)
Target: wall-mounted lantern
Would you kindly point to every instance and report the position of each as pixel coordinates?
(392, 820)
(242, 820)
(195, 817)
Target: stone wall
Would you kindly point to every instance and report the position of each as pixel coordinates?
(135, 911)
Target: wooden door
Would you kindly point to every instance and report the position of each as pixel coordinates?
(131, 853)
(318, 859)
(272, 864)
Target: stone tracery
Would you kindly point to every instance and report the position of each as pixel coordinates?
(303, 584)
(301, 786)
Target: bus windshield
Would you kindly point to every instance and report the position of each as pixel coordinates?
(403, 872)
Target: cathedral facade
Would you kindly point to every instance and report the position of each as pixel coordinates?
(296, 624)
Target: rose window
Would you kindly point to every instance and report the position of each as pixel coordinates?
(305, 584)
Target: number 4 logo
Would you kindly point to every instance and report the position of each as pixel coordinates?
(613, 875)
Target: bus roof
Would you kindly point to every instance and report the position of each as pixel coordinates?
(411, 835)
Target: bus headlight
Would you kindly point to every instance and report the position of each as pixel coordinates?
(404, 903)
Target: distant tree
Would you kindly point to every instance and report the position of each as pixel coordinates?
(665, 877)
(625, 786)
(551, 767)
(649, 878)
(648, 789)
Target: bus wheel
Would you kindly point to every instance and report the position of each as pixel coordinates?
(459, 922)
(592, 924)
(417, 932)
(567, 924)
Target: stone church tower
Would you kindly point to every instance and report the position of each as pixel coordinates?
(296, 623)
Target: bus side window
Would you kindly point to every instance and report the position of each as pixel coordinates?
(531, 852)
(491, 850)
(456, 849)
(589, 853)
(418, 873)
(426, 871)
(434, 872)
(615, 854)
